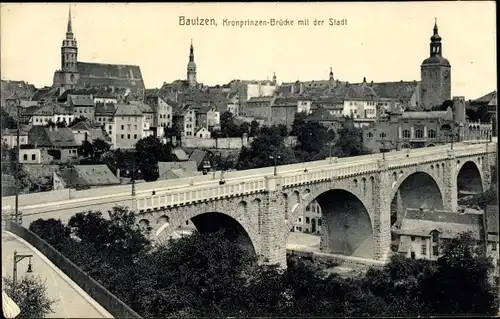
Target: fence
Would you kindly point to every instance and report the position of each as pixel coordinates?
(106, 299)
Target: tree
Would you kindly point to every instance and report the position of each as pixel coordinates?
(8, 121)
(94, 150)
(313, 141)
(443, 107)
(54, 232)
(349, 142)
(148, 152)
(30, 294)
(266, 149)
(463, 257)
(254, 128)
(298, 124)
(227, 125)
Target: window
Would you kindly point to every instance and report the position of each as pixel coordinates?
(494, 247)
(122, 136)
(135, 136)
(307, 220)
(308, 208)
(424, 250)
(412, 255)
(370, 134)
(406, 134)
(128, 136)
(319, 221)
(412, 238)
(300, 219)
(25, 157)
(135, 126)
(419, 134)
(123, 127)
(435, 250)
(382, 135)
(432, 134)
(435, 236)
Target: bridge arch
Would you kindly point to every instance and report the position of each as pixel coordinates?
(419, 187)
(346, 220)
(469, 177)
(241, 218)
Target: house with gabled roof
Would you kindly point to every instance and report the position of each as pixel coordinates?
(84, 177)
(49, 144)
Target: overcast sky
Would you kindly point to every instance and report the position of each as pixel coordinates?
(381, 41)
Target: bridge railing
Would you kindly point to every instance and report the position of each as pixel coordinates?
(106, 299)
(289, 174)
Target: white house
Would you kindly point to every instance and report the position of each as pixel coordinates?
(203, 133)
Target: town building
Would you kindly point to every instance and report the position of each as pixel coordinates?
(84, 177)
(324, 117)
(83, 106)
(435, 74)
(129, 123)
(9, 136)
(87, 131)
(48, 112)
(104, 116)
(421, 233)
(203, 160)
(49, 145)
(74, 74)
(259, 108)
(171, 170)
(311, 222)
(283, 109)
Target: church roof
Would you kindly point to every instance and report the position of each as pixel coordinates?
(108, 75)
(436, 59)
(401, 91)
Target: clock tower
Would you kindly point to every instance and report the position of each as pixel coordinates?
(435, 74)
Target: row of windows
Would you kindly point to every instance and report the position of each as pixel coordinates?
(407, 134)
(162, 116)
(123, 127)
(128, 136)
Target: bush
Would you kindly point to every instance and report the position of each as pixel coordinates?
(30, 294)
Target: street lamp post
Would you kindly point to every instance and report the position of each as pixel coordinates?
(275, 158)
(18, 258)
(330, 153)
(132, 174)
(17, 164)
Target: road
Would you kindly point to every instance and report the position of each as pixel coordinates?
(72, 303)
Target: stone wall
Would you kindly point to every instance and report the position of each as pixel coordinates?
(226, 142)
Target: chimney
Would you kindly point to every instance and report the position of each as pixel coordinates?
(364, 79)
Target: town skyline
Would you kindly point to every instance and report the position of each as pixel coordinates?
(253, 53)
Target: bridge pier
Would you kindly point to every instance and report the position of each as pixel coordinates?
(450, 196)
(382, 213)
(274, 229)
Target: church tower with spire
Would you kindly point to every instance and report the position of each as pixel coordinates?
(435, 74)
(191, 68)
(67, 77)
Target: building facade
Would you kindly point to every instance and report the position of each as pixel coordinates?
(435, 74)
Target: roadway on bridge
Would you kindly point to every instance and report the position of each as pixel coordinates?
(72, 302)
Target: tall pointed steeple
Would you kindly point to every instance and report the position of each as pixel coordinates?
(191, 67)
(70, 27)
(435, 46)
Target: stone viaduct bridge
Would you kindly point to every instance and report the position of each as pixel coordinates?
(259, 208)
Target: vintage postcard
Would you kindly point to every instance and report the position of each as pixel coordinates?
(249, 159)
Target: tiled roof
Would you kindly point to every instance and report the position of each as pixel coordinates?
(48, 109)
(180, 173)
(89, 175)
(285, 101)
(108, 75)
(84, 125)
(427, 115)
(321, 115)
(41, 136)
(261, 99)
(197, 156)
(104, 109)
(128, 110)
(145, 108)
(23, 130)
(360, 92)
(164, 167)
(180, 154)
(46, 93)
(81, 100)
(449, 224)
(401, 91)
(487, 98)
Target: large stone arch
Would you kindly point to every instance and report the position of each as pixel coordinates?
(346, 217)
(420, 176)
(241, 213)
(470, 175)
